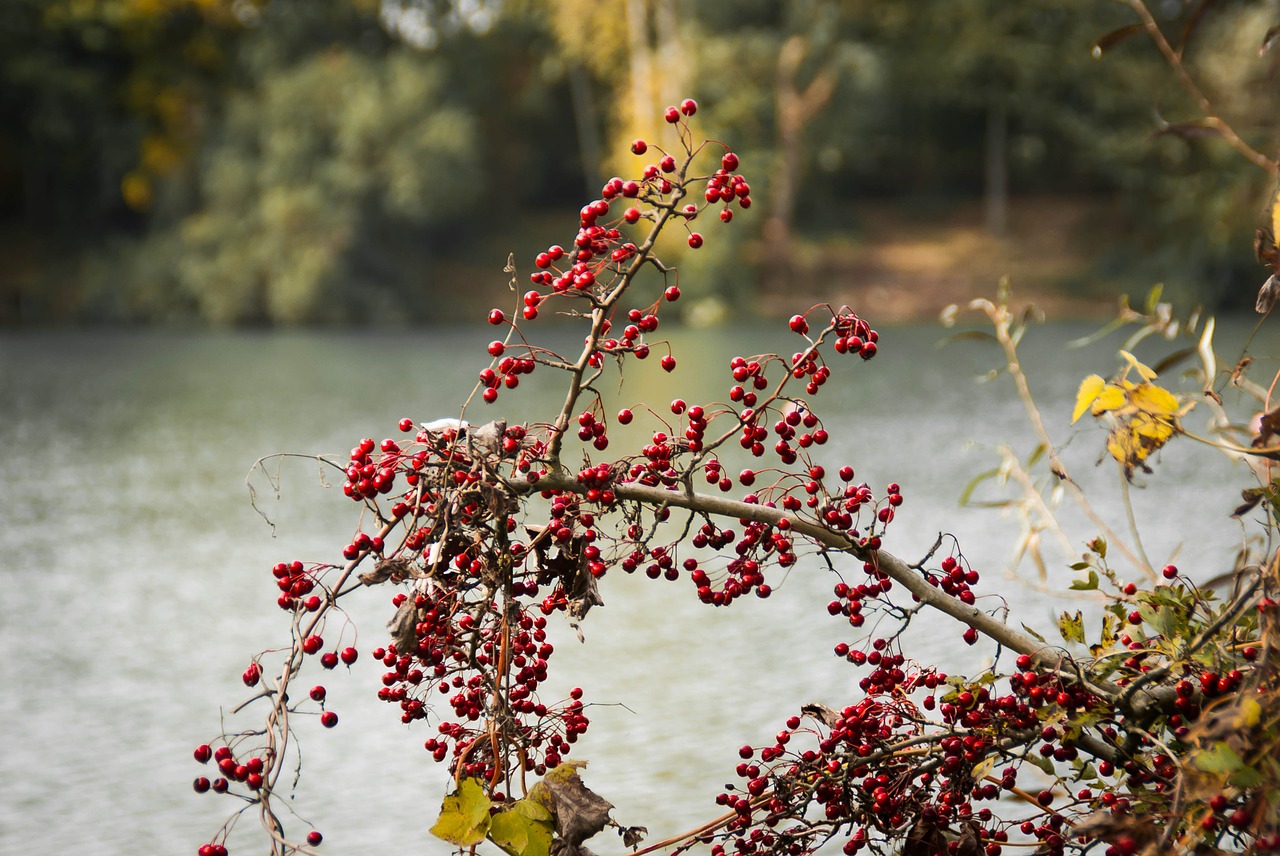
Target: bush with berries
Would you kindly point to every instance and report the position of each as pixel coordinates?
(1155, 734)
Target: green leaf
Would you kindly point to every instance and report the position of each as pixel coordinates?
(1071, 627)
(523, 829)
(1035, 635)
(464, 816)
(1090, 584)
(1220, 759)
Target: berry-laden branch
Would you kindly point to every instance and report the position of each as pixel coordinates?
(486, 531)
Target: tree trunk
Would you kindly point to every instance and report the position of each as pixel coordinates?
(996, 173)
(586, 121)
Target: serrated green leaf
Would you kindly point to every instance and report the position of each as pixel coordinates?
(1043, 763)
(464, 815)
(1071, 627)
(1246, 778)
(1090, 584)
(1220, 759)
(524, 828)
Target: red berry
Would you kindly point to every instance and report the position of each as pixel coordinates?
(672, 293)
(668, 363)
(203, 753)
(1169, 571)
(695, 240)
(329, 660)
(251, 675)
(798, 324)
(312, 644)
(314, 838)
(688, 106)
(496, 349)
(970, 636)
(490, 395)
(496, 316)
(672, 115)
(317, 693)
(349, 655)
(726, 215)
(200, 785)
(631, 215)
(328, 719)
(729, 161)
(406, 424)
(639, 147)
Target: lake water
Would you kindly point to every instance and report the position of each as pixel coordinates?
(136, 584)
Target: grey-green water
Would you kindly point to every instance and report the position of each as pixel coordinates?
(136, 584)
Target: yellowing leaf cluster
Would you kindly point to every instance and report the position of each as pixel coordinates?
(1146, 415)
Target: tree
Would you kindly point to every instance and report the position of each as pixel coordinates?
(1154, 730)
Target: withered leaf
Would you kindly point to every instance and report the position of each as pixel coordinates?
(579, 811)
(826, 715)
(389, 569)
(633, 835)
(1269, 40)
(1252, 497)
(924, 840)
(1267, 295)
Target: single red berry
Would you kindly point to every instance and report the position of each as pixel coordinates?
(688, 106)
(328, 719)
(496, 316)
(329, 660)
(251, 675)
(314, 838)
(406, 424)
(490, 395)
(970, 636)
(798, 324)
(317, 693)
(631, 215)
(695, 240)
(729, 161)
(1169, 572)
(1135, 617)
(349, 655)
(726, 215)
(624, 417)
(203, 753)
(668, 363)
(672, 115)
(200, 785)
(639, 147)
(672, 293)
(312, 644)
(496, 349)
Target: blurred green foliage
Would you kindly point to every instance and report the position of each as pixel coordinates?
(362, 161)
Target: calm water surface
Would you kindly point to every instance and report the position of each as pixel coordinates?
(136, 584)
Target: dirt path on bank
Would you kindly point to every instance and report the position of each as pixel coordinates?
(908, 267)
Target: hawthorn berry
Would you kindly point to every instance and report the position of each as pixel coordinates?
(639, 147)
(688, 107)
(328, 719)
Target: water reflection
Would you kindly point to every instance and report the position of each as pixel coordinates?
(136, 573)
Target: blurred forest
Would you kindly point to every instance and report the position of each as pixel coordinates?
(276, 162)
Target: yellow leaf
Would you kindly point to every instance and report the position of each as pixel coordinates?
(1250, 713)
(1155, 400)
(1090, 388)
(1144, 372)
(464, 816)
(983, 767)
(1111, 398)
